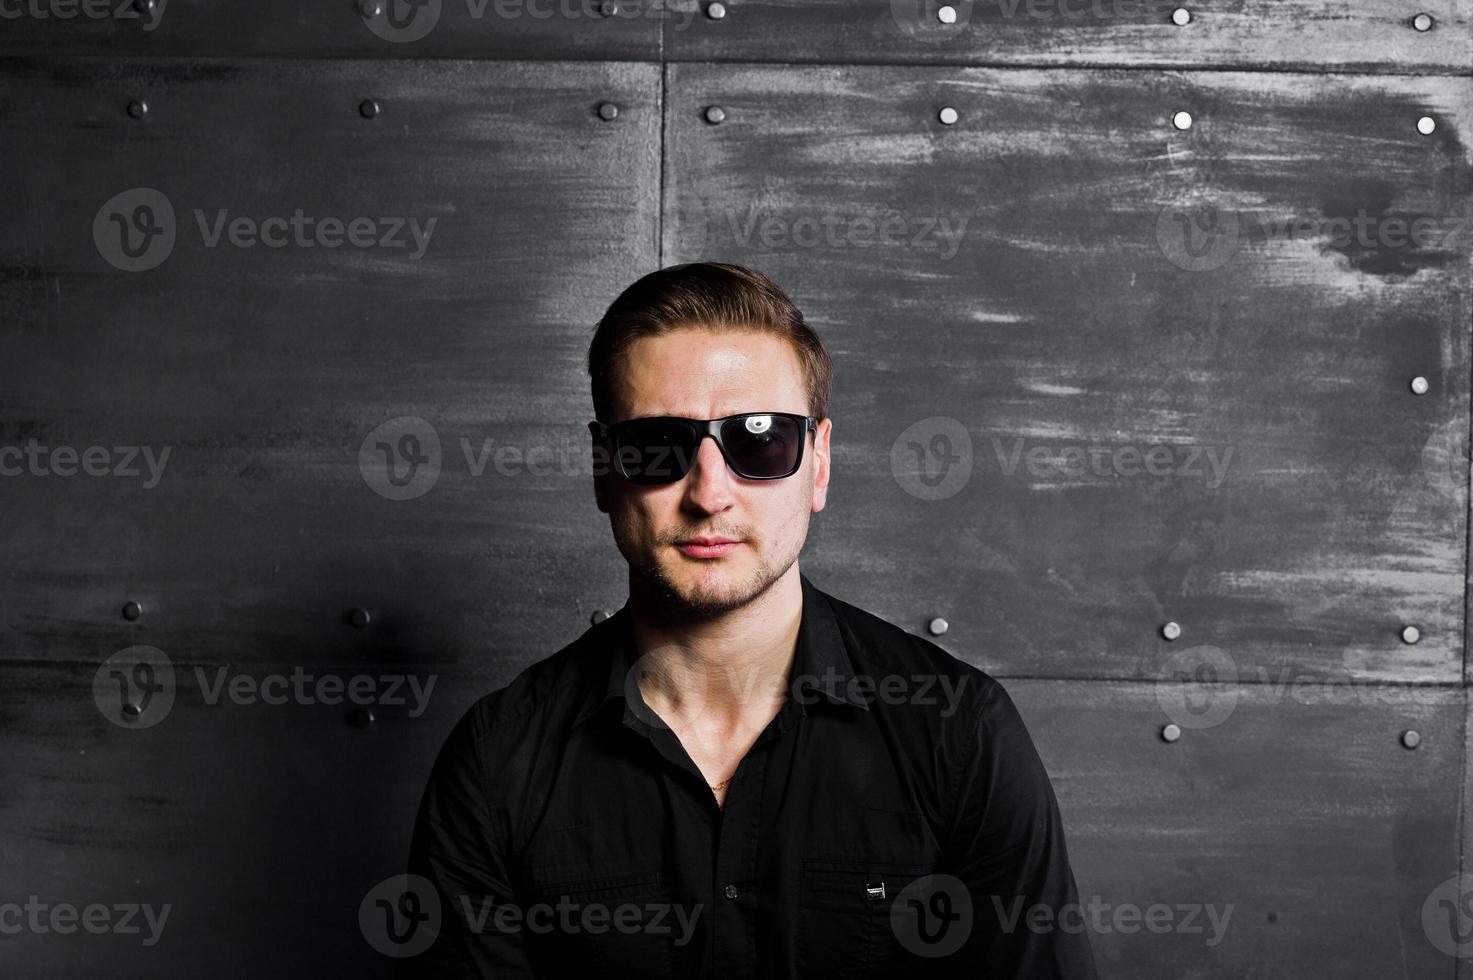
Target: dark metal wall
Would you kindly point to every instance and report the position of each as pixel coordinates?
(1163, 420)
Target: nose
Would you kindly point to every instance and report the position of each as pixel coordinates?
(709, 481)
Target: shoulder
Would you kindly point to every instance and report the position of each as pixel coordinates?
(926, 674)
(544, 696)
(961, 734)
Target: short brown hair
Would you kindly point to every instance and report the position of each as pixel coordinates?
(711, 295)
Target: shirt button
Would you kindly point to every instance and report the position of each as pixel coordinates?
(731, 891)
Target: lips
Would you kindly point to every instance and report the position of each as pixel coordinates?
(714, 546)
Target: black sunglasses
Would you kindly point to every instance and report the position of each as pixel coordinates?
(660, 449)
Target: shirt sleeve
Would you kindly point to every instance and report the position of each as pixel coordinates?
(461, 846)
(1007, 849)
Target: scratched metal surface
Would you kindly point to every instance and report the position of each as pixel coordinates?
(1055, 285)
(265, 372)
(1444, 913)
(1362, 35)
(260, 826)
(407, 29)
(1296, 815)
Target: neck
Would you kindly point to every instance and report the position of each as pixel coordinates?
(718, 668)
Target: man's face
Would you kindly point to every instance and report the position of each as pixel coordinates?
(704, 374)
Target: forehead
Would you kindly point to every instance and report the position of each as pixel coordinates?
(702, 373)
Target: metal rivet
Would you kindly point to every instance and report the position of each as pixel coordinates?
(1181, 16)
(938, 626)
(361, 717)
(368, 108)
(1182, 120)
(1410, 634)
(716, 11)
(598, 616)
(146, 6)
(132, 710)
(1171, 631)
(359, 618)
(715, 114)
(1422, 22)
(137, 108)
(1426, 125)
(947, 14)
(608, 111)
(608, 8)
(1411, 738)
(947, 116)
(132, 610)
(370, 9)
(1419, 385)
(1170, 732)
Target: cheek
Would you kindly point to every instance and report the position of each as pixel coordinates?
(636, 517)
(787, 516)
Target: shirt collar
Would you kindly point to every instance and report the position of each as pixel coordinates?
(821, 661)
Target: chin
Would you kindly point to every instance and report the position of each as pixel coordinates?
(713, 586)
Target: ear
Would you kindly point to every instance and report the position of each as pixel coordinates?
(821, 464)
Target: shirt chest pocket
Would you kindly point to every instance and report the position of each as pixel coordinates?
(844, 920)
(604, 924)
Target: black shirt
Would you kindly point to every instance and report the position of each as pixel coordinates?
(896, 795)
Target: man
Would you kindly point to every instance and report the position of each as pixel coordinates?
(737, 774)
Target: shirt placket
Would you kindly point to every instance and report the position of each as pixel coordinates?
(732, 926)
(736, 890)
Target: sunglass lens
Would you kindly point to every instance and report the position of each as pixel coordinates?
(653, 451)
(762, 447)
